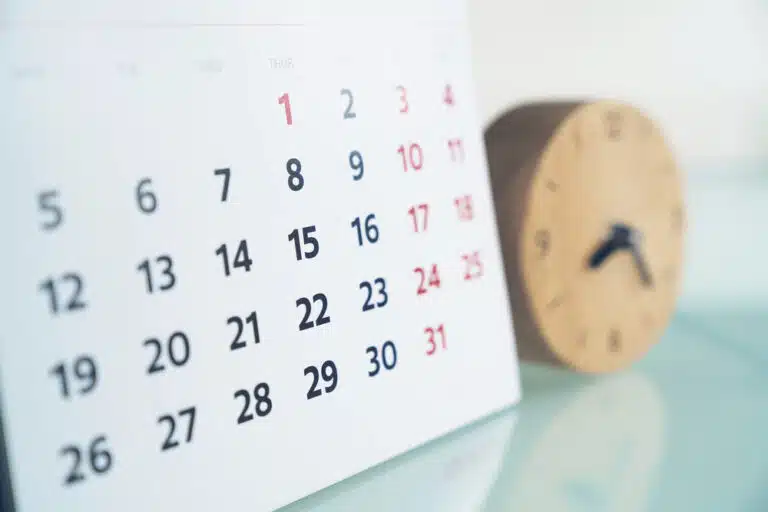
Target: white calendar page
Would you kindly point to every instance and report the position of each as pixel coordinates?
(247, 251)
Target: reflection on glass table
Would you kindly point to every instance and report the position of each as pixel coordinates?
(684, 429)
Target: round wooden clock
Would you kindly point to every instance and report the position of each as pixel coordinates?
(590, 208)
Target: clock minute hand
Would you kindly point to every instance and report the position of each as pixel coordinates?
(642, 266)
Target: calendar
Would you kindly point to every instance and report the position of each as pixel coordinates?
(248, 250)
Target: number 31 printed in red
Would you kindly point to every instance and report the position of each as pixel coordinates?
(435, 339)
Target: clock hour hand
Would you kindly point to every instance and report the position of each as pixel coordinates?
(620, 238)
(603, 251)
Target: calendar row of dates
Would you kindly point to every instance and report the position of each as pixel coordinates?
(313, 311)
(52, 208)
(77, 377)
(94, 457)
(66, 292)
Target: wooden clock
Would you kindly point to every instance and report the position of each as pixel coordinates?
(591, 216)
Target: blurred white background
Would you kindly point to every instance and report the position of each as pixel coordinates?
(699, 67)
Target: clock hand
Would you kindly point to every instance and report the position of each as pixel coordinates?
(640, 262)
(620, 238)
(603, 251)
(642, 266)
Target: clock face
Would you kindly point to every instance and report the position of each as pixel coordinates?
(603, 236)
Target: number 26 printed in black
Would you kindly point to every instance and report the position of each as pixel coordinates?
(98, 462)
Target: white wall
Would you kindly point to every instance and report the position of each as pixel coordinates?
(700, 67)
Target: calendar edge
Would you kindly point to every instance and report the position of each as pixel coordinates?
(452, 433)
(7, 500)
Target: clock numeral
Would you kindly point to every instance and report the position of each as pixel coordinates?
(677, 219)
(541, 240)
(613, 124)
(556, 302)
(614, 340)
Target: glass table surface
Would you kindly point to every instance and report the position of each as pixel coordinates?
(685, 428)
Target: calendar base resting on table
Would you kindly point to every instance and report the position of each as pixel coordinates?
(249, 252)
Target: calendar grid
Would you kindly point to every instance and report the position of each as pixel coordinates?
(266, 257)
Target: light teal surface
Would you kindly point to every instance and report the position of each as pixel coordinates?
(685, 429)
